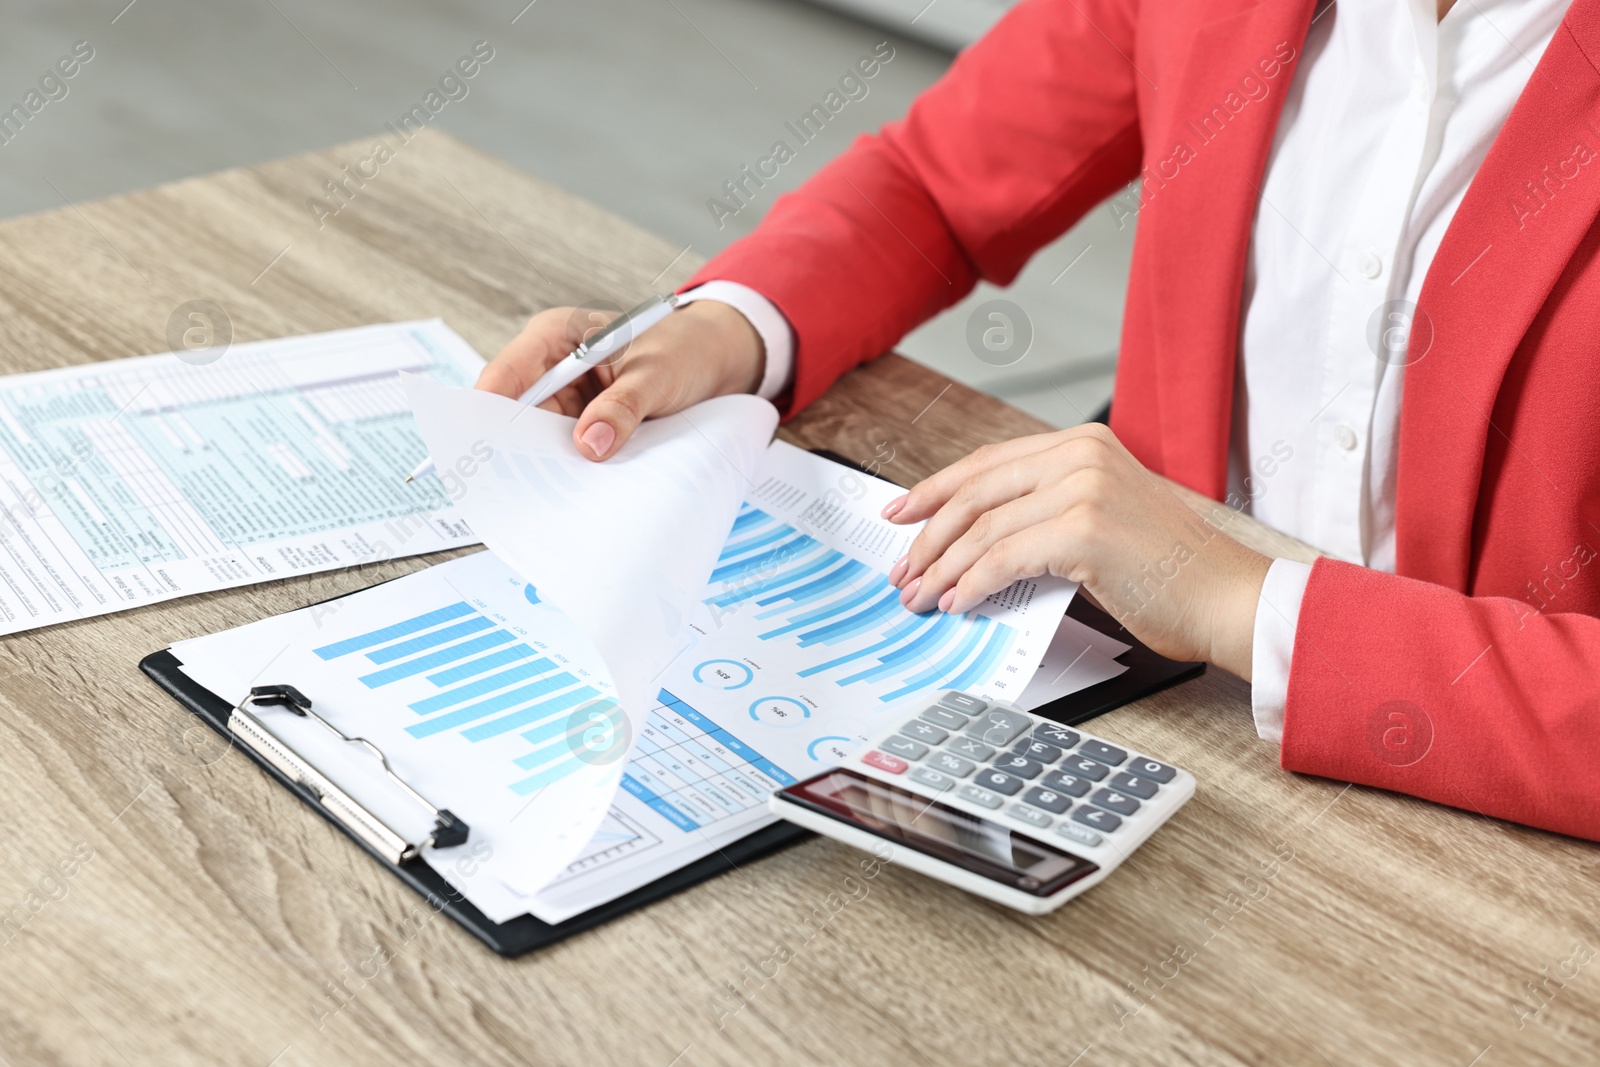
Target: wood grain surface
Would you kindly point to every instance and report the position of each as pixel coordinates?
(169, 905)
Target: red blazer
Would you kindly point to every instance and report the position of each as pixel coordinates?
(1471, 677)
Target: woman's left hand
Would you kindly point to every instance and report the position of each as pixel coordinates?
(1076, 504)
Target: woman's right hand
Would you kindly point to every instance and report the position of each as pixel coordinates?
(699, 351)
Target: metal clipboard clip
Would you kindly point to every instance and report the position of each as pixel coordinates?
(447, 829)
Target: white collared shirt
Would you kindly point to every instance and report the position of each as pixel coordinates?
(1388, 117)
(1387, 120)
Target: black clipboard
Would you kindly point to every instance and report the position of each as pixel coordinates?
(1148, 673)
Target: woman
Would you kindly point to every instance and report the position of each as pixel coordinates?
(1362, 303)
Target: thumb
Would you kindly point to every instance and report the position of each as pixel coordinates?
(641, 390)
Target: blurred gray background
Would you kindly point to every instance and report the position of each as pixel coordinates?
(644, 106)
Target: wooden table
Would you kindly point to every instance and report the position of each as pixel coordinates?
(208, 918)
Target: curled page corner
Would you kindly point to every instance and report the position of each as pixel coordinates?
(622, 548)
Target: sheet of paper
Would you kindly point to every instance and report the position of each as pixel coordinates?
(480, 693)
(1079, 656)
(799, 650)
(137, 480)
(622, 547)
(802, 641)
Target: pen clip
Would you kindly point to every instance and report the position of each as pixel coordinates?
(448, 830)
(598, 346)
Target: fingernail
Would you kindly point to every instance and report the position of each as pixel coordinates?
(598, 438)
(898, 571)
(892, 508)
(910, 592)
(946, 600)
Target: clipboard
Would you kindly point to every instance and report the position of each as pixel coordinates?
(1147, 673)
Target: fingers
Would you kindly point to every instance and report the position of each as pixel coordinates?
(1025, 554)
(705, 349)
(949, 566)
(930, 494)
(643, 386)
(971, 507)
(545, 341)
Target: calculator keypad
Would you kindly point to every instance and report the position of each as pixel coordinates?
(1070, 784)
(1103, 752)
(1048, 800)
(933, 779)
(1044, 775)
(999, 726)
(969, 748)
(1091, 769)
(984, 797)
(945, 718)
(925, 732)
(999, 781)
(1036, 749)
(1143, 788)
(904, 747)
(952, 765)
(962, 702)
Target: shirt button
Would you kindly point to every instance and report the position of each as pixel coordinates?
(1369, 263)
(1346, 438)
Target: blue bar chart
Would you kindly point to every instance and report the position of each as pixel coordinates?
(844, 618)
(464, 674)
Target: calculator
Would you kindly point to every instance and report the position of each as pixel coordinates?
(992, 799)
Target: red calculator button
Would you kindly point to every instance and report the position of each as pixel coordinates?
(885, 762)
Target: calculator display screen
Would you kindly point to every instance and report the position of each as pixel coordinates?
(949, 834)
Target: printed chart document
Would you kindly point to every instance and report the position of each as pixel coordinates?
(137, 480)
(653, 646)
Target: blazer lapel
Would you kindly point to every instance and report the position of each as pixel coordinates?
(1523, 216)
(1205, 156)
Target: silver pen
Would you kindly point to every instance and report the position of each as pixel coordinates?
(610, 338)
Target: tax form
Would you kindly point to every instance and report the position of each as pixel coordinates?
(132, 481)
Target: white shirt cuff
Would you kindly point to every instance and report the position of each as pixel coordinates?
(777, 337)
(1272, 646)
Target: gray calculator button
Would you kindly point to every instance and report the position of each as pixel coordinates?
(986, 797)
(999, 781)
(971, 748)
(1149, 768)
(1082, 835)
(1021, 766)
(1103, 821)
(999, 726)
(1028, 815)
(925, 732)
(961, 702)
(1035, 749)
(941, 717)
(904, 747)
(1103, 752)
(1071, 784)
(1054, 734)
(933, 779)
(1093, 770)
(1143, 788)
(1111, 800)
(1051, 800)
(954, 766)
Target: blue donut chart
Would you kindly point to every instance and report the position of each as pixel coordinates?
(737, 678)
(771, 711)
(531, 593)
(811, 749)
